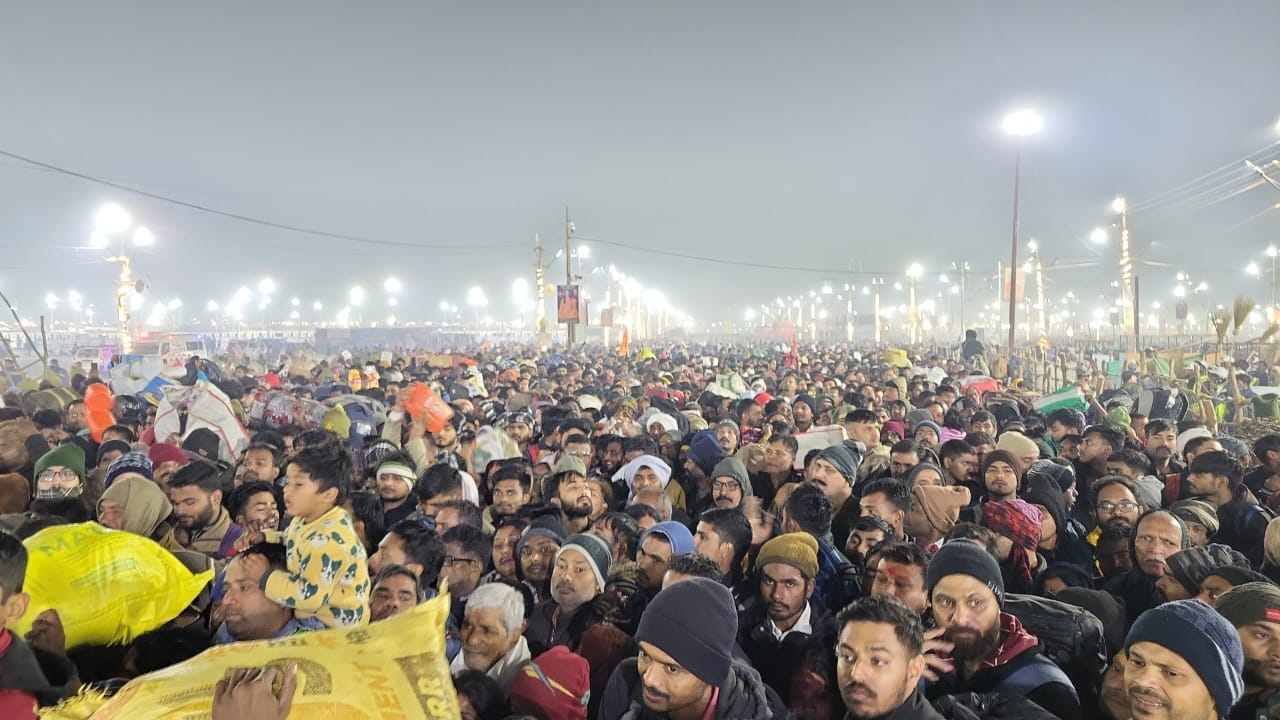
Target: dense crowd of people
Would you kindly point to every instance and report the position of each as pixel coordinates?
(695, 533)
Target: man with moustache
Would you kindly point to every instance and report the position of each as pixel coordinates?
(1254, 610)
(880, 660)
(1184, 663)
(979, 648)
(567, 488)
(1156, 535)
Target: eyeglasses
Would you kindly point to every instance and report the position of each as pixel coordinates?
(726, 485)
(1123, 506)
(64, 474)
(450, 560)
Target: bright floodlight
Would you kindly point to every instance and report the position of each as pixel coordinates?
(584, 252)
(357, 296)
(1119, 205)
(74, 300)
(444, 306)
(1098, 236)
(476, 297)
(1252, 269)
(112, 219)
(392, 285)
(143, 237)
(295, 302)
(915, 270)
(51, 300)
(266, 286)
(242, 296)
(1179, 291)
(97, 240)
(175, 303)
(1271, 251)
(212, 306)
(1022, 123)
(317, 306)
(750, 315)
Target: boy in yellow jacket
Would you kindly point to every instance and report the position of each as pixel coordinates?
(328, 573)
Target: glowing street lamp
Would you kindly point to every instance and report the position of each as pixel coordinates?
(1019, 124)
(357, 296)
(266, 286)
(1098, 236)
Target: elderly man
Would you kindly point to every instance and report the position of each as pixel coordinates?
(493, 634)
(246, 611)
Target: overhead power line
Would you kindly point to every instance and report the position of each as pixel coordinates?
(832, 272)
(241, 217)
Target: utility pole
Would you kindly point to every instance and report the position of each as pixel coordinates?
(539, 284)
(1128, 280)
(572, 325)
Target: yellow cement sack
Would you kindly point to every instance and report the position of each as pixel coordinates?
(108, 586)
(394, 669)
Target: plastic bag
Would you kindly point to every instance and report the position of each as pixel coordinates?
(427, 406)
(395, 668)
(108, 586)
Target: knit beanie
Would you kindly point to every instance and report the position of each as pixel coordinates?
(937, 431)
(68, 456)
(910, 478)
(737, 432)
(940, 504)
(1149, 491)
(119, 446)
(797, 549)
(1203, 638)
(1063, 475)
(547, 527)
(844, 457)
(1201, 512)
(813, 406)
(1239, 576)
(593, 549)
(1003, 456)
(705, 451)
(554, 686)
(400, 469)
(1191, 566)
(917, 416)
(965, 557)
(1018, 444)
(700, 641)
(128, 463)
(163, 452)
(676, 534)
(1250, 603)
(732, 467)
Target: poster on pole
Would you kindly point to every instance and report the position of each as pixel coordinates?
(567, 303)
(1004, 285)
(606, 317)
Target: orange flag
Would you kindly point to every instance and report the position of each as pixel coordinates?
(625, 347)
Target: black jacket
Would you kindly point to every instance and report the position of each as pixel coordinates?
(1059, 698)
(778, 660)
(1242, 526)
(743, 695)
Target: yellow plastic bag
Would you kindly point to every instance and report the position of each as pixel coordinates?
(108, 586)
(394, 669)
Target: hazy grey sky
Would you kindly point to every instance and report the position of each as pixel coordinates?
(804, 134)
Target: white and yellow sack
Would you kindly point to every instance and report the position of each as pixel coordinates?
(394, 669)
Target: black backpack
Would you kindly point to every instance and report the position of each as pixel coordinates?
(1071, 637)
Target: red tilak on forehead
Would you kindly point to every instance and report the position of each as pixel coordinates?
(895, 571)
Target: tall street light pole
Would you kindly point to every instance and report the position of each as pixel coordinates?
(1019, 124)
